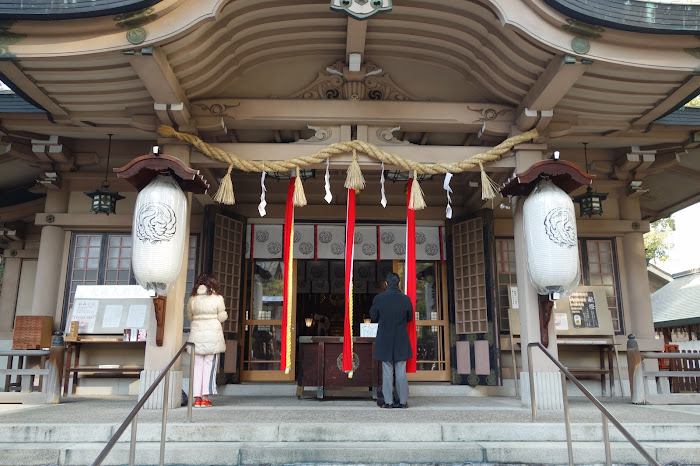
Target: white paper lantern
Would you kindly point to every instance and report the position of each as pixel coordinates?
(158, 234)
(551, 240)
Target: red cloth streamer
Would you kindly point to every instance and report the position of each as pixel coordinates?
(287, 251)
(349, 254)
(315, 242)
(410, 270)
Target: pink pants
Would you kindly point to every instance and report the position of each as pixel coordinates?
(205, 374)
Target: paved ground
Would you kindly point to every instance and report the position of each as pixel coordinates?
(262, 409)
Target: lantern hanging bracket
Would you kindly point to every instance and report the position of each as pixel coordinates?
(565, 175)
(141, 171)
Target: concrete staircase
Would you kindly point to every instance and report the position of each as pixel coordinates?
(388, 443)
(249, 430)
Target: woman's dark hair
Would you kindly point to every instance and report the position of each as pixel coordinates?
(209, 281)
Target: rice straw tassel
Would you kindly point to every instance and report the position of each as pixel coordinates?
(299, 195)
(354, 179)
(224, 195)
(417, 202)
(488, 186)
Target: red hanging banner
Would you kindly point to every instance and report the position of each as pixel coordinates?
(287, 251)
(349, 254)
(410, 271)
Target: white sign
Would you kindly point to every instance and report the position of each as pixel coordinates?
(561, 321)
(368, 330)
(112, 292)
(137, 316)
(112, 316)
(85, 312)
(514, 298)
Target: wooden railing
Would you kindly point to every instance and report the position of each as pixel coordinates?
(684, 372)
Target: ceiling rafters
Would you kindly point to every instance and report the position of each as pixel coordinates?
(553, 84)
(170, 101)
(12, 72)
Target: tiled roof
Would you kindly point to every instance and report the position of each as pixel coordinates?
(50, 10)
(650, 17)
(685, 116)
(678, 302)
(12, 103)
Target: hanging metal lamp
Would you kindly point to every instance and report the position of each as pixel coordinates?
(104, 201)
(590, 203)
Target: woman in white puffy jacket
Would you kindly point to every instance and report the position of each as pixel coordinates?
(206, 311)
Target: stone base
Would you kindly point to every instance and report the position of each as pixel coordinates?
(548, 393)
(156, 399)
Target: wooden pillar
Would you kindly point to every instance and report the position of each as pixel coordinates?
(547, 379)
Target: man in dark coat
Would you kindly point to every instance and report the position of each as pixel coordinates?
(393, 310)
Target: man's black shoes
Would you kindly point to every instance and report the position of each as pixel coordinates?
(399, 405)
(386, 406)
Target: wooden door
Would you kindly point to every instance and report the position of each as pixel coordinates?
(262, 322)
(475, 351)
(432, 326)
(224, 240)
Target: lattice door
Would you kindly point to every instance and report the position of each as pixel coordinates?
(476, 349)
(227, 260)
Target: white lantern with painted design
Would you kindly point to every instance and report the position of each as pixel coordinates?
(158, 234)
(549, 221)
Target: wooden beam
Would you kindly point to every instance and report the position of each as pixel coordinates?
(158, 77)
(691, 86)
(12, 72)
(553, 84)
(297, 114)
(355, 38)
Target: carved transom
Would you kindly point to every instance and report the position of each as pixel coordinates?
(333, 84)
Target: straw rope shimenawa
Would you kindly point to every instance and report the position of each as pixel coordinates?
(355, 180)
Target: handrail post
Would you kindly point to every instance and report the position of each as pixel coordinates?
(132, 444)
(190, 398)
(166, 391)
(531, 372)
(606, 414)
(606, 440)
(634, 369)
(567, 420)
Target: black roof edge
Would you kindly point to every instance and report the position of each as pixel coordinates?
(682, 103)
(677, 323)
(614, 24)
(24, 96)
(56, 14)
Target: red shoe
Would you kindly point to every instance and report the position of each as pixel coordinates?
(198, 403)
(206, 403)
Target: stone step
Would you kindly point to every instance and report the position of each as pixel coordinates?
(253, 453)
(344, 432)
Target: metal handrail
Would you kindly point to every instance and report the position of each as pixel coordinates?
(606, 415)
(133, 415)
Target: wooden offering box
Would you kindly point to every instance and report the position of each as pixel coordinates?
(320, 365)
(32, 332)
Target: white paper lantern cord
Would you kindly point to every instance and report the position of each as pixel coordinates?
(158, 234)
(549, 223)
